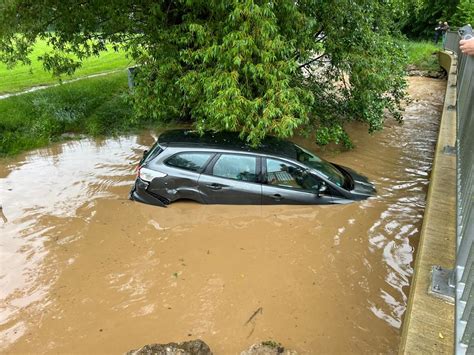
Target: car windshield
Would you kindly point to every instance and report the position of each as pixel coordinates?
(328, 170)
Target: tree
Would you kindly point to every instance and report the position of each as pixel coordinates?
(258, 67)
(464, 14)
(421, 16)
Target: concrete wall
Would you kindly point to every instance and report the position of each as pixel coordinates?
(428, 326)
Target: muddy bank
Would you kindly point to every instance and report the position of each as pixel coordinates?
(84, 269)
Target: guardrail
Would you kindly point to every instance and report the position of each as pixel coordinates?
(463, 276)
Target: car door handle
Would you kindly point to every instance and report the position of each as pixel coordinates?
(277, 197)
(215, 186)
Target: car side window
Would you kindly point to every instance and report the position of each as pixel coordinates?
(189, 161)
(237, 167)
(280, 173)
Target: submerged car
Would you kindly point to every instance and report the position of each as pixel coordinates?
(220, 168)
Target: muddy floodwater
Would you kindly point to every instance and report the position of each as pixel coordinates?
(85, 270)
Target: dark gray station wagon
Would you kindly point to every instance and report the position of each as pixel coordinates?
(219, 168)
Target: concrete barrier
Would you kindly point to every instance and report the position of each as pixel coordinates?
(428, 325)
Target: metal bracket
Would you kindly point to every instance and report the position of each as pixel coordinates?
(449, 150)
(442, 284)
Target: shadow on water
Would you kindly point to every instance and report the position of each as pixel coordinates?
(84, 269)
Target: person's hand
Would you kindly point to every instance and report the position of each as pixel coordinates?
(467, 46)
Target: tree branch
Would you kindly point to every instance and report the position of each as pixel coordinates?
(311, 61)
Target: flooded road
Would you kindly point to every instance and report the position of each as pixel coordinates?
(85, 270)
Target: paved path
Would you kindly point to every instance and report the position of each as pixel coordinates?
(41, 87)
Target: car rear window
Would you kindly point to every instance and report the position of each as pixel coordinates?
(189, 161)
(150, 155)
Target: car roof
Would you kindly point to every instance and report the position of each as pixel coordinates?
(226, 141)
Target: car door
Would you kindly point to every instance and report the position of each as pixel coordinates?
(232, 179)
(288, 184)
(180, 176)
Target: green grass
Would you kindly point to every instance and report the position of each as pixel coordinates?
(22, 77)
(94, 106)
(422, 55)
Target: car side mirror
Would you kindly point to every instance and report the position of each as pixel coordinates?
(320, 188)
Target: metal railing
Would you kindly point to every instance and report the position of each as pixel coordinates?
(464, 268)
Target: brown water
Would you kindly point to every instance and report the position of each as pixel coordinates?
(85, 270)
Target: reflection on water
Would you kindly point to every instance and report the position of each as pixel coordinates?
(84, 268)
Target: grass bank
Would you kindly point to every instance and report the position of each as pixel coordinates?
(94, 106)
(422, 55)
(22, 77)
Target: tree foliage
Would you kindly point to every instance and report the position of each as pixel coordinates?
(258, 67)
(464, 13)
(422, 16)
